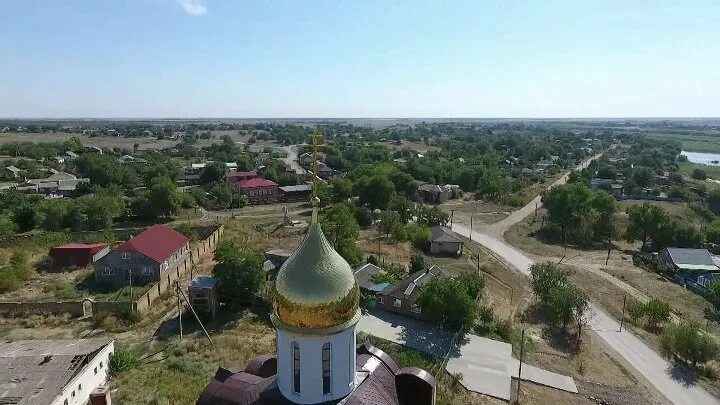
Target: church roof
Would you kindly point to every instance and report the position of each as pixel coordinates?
(378, 381)
(315, 287)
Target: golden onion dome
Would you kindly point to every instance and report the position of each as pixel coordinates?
(315, 288)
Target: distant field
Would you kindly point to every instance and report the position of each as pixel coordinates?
(145, 143)
(693, 143)
(687, 168)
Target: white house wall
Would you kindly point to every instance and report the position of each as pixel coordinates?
(87, 379)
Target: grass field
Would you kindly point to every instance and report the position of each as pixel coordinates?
(693, 143)
(687, 168)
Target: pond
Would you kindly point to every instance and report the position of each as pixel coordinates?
(703, 158)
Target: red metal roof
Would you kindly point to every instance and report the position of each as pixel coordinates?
(252, 173)
(92, 247)
(157, 242)
(256, 182)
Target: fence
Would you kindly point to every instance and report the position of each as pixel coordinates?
(74, 308)
(167, 279)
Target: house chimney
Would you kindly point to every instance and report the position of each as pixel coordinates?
(415, 386)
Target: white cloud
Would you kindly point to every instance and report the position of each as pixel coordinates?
(193, 7)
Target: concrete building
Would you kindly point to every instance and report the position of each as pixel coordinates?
(53, 372)
(432, 194)
(145, 257)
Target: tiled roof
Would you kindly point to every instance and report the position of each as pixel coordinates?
(158, 242)
(256, 182)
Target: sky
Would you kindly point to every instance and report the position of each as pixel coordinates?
(359, 58)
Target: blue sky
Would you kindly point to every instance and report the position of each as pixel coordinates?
(361, 58)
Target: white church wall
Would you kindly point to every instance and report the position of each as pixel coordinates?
(342, 365)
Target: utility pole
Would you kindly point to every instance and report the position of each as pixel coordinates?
(197, 318)
(452, 214)
(177, 291)
(622, 319)
(131, 287)
(522, 350)
(471, 223)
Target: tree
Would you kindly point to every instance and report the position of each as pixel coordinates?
(635, 310)
(417, 262)
(579, 214)
(388, 220)
(363, 215)
(656, 311)
(341, 190)
(565, 304)
(418, 235)
(7, 226)
(546, 277)
(699, 174)
(374, 192)
(342, 230)
(446, 300)
(74, 144)
(433, 216)
(163, 197)
(26, 216)
(404, 207)
(645, 222)
(213, 172)
(239, 270)
(690, 343)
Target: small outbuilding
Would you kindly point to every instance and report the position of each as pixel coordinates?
(366, 275)
(78, 254)
(203, 295)
(444, 241)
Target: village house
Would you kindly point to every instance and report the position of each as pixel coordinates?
(300, 192)
(14, 171)
(236, 176)
(401, 297)
(77, 254)
(55, 372)
(365, 275)
(687, 260)
(259, 190)
(431, 194)
(444, 241)
(145, 257)
(94, 149)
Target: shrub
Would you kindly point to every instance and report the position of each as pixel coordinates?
(417, 262)
(635, 310)
(690, 343)
(699, 174)
(656, 311)
(123, 360)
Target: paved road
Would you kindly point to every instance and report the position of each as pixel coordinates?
(291, 158)
(648, 363)
(501, 226)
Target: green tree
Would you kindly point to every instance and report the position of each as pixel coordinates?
(656, 311)
(164, 197)
(213, 172)
(374, 192)
(699, 174)
(546, 277)
(433, 216)
(446, 300)
(635, 310)
(418, 235)
(26, 216)
(645, 222)
(342, 231)
(239, 270)
(404, 207)
(7, 227)
(388, 220)
(74, 144)
(690, 343)
(417, 262)
(341, 190)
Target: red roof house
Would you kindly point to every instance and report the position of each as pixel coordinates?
(158, 242)
(143, 258)
(259, 190)
(78, 254)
